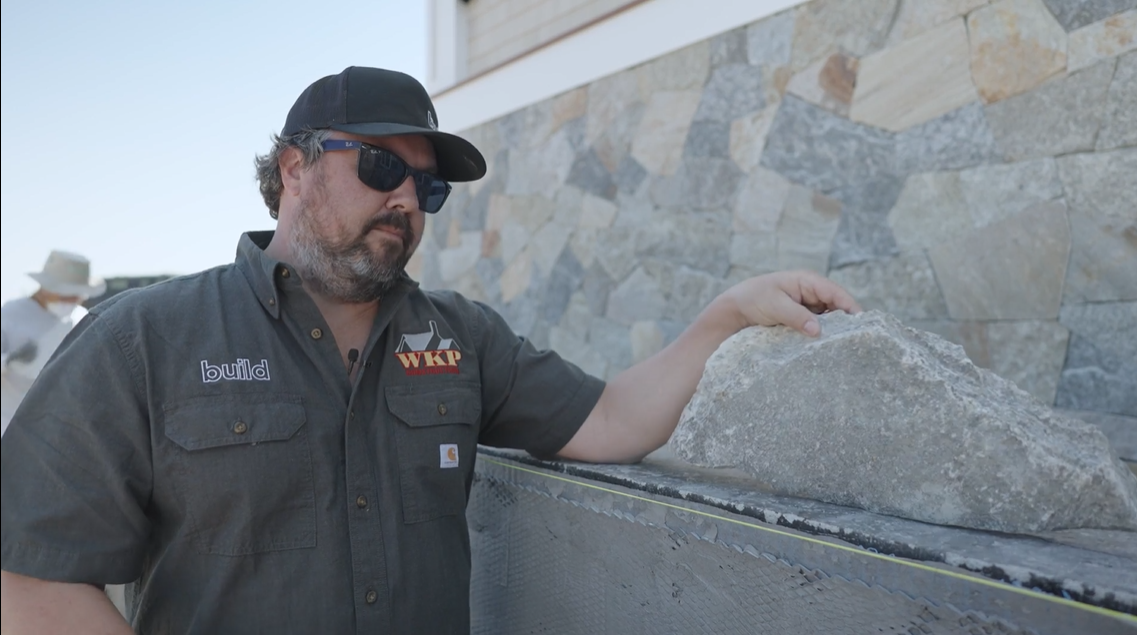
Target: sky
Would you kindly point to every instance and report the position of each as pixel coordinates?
(130, 126)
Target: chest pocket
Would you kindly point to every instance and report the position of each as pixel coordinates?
(437, 437)
(243, 468)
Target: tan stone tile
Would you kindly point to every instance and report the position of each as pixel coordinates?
(931, 209)
(1029, 353)
(760, 202)
(516, 276)
(498, 212)
(607, 98)
(828, 83)
(457, 261)
(806, 229)
(685, 69)
(491, 244)
(1015, 46)
(917, 16)
(1013, 269)
(569, 106)
(1109, 38)
(658, 144)
(596, 213)
(824, 27)
(916, 80)
(748, 137)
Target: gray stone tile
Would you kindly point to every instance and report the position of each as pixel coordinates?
(864, 233)
(564, 280)
(474, 214)
(685, 290)
(708, 139)
(1074, 14)
(815, 148)
(1029, 353)
(770, 41)
(827, 26)
(959, 139)
(590, 175)
(511, 129)
(729, 48)
(698, 184)
(615, 252)
(629, 177)
(698, 240)
(1120, 127)
(637, 298)
(490, 270)
(1010, 270)
(734, 90)
(1103, 225)
(904, 286)
(540, 170)
(972, 336)
(1062, 116)
(993, 193)
(521, 313)
(931, 209)
(806, 230)
(1101, 364)
(596, 286)
(613, 341)
(685, 69)
(615, 142)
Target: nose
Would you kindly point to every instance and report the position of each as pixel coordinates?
(404, 198)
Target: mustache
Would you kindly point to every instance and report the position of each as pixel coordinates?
(394, 220)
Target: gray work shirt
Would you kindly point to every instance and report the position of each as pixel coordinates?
(202, 437)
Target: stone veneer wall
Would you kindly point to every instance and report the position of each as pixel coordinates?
(968, 166)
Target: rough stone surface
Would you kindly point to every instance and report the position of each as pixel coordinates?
(960, 139)
(1075, 14)
(915, 81)
(931, 208)
(1101, 364)
(1121, 431)
(770, 42)
(828, 83)
(732, 92)
(1012, 269)
(863, 233)
(1060, 117)
(761, 200)
(917, 16)
(748, 137)
(1120, 120)
(904, 286)
(684, 70)
(806, 229)
(1109, 38)
(823, 27)
(1015, 46)
(896, 421)
(1103, 225)
(658, 143)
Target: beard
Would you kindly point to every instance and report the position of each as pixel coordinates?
(347, 269)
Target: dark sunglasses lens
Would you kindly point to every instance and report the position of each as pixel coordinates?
(432, 193)
(381, 170)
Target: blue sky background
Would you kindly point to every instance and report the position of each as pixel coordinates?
(130, 126)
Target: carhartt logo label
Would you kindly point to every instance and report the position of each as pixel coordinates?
(240, 370)
(428, 353)
(430, 122)
(448, 455)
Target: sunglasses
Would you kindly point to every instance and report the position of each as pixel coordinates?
(383, 170)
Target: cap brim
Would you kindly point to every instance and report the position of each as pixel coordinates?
(458, 159)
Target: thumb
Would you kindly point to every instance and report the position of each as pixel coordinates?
(798, 317)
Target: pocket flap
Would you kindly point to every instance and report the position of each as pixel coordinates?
(213, 422)
(421, 406)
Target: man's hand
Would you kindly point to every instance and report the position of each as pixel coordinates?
(26, 353)
(792, 298)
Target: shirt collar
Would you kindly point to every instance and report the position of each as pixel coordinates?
(267, 275)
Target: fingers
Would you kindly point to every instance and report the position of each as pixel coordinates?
(818, 292)
(796, 316)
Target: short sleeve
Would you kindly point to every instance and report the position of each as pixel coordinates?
(77, 471)
(532, 400)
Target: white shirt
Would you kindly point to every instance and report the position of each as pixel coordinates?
(23, 321)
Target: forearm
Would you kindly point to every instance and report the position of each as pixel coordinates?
(28, 606)
(640, 408)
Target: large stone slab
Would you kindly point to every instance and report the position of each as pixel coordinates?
(915, 81)
(893, 420)
(1030, 353)
(658, 144)
(904, 286)
(1015, 46)
(1075, 14)
(1119, 128)
(1103, 225)
(917, 16)
(1010, 270)
(1060, 117)
(823, 27)
(960, 139)
(1102, 40)
(1101, 364)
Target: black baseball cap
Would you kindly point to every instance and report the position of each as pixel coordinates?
(378, 102)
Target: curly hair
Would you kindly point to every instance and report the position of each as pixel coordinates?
(268, 165)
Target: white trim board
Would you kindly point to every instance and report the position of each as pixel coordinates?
(642, 33)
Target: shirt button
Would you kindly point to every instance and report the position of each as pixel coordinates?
(240, 427)
(361, 502)
(371, 597)
(351, 415)
(272, 301)
(317, 334)
(441, 408)
(284, 272)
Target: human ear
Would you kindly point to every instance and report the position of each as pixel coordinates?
(291, 166)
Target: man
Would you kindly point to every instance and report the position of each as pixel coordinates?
(34, 326)
(286, 444)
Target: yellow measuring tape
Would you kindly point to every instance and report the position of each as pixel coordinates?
(879, 556)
